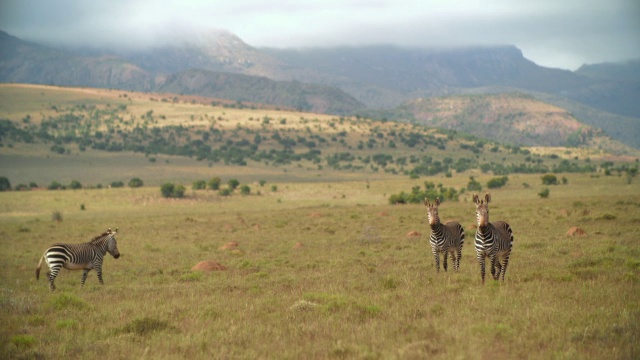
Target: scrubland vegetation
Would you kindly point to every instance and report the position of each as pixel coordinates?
(322, 250)
(362, 284)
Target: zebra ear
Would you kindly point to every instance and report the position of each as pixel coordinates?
(426, 202)
(437, 201)
(116, 231)
(487, 198)
(476, 199)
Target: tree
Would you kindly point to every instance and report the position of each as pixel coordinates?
(75, 185)
(497, 182)
(170, 190)
(474, 185)
(245, 190)
(214, 183)
(233, 184)
(199, 185)
(549, 179)
(5, 185)
(135, 183)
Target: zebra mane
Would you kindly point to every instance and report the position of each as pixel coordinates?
(105, 234)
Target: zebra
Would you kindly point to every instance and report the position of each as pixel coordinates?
(85, 256)
(445, 238)
(493, 240)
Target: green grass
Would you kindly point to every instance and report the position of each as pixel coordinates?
(358, 288)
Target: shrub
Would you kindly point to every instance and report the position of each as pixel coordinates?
(549, 179)
(169, 190)
(117, 184)
(224, 192)
(56, 216)
(245, 190)
(5, 185)
(199, 185)
(135, 183)
(54, 185)
(233, 184)
(75, 185)
(497, 182)
(544, 193)
(21, 187)
(474, 185)
(214, 183)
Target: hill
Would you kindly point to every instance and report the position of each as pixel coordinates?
(51, 126)
(24, 62)
(513, 118)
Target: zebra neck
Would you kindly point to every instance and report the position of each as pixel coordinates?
(437, 227)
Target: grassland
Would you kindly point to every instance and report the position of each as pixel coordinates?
(359, 287)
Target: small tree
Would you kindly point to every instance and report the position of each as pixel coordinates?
(135, 183)
(54, 185)
(474, 185)
(245, 190)
(199, 185)
(170, 190)
(117, 184)
(75, 185)
(214, 183)
(497, 182)
(233, 184)
(549, 179)
(544, 193)
(5, 185)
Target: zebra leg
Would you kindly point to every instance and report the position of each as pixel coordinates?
(457, 260)
(436, 255)
(505, 262)
(493, 267)
(84, 276)
(444, 263)
(99, 271)
(481, 261)
(53, 272)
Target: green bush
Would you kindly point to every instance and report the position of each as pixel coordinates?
(549, 179)
(170, 190)
(474, 185)
(214, 183)
(75, 185)
(233, 184)
(5, 185)
(117, 184)
(135, 183)
(544, 193)
(245, 190)
(497, 182)
(199, 185)
(54, 185)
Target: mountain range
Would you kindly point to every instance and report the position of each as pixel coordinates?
(344, 81)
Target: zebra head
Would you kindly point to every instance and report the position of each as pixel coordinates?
(432, 211)
(482, 210)
(112, 244)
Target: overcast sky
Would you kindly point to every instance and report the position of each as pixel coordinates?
(554, 33)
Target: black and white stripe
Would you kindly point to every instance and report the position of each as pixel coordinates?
(445, 238)
(85, 256)
(493, 240)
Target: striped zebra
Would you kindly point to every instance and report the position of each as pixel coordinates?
(445, 238)
(493, 240)
(85, 256)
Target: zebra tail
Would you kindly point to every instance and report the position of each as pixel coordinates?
(39, 266)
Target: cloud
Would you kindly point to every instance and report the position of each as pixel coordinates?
(550, 32)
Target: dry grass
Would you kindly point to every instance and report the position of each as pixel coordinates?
(358, 288)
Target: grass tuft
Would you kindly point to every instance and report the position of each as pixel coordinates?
(66, 301)
(145, 326)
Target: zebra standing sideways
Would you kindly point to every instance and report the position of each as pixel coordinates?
(493, 240)
(85, 256)
(445, 238)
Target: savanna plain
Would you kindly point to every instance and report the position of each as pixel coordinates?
(314, 262)
(358, 286)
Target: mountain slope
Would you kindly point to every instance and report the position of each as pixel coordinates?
(509, 118)
(299, 96)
